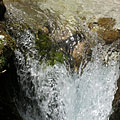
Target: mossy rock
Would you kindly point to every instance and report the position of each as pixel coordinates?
(108, 36)
(105, 30)
(7, 46)
(107, 23)
(48, 49)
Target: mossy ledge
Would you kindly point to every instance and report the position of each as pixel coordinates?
(8, 77)
(7, 47)
(49, 50)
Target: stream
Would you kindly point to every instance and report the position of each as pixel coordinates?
(54, 92)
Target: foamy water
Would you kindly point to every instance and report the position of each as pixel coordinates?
(52, 92)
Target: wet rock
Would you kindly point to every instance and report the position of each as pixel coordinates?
(2, 10)
(7, 46)
(107, 23)
(8, 77)
(8, 91)
(108, 36)
(116, 104)
(77, 49)
(104, 29)
(81, 53)
(117, 95)
(45, 29)
(77, 54)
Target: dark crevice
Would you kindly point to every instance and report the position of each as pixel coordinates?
(9, 89)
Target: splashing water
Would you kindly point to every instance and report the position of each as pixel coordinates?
(52, 92)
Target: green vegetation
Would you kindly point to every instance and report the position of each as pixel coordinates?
(7, 46)
(49, 50)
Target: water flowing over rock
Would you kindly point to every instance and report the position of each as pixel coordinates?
(8, 76)
(66, 58)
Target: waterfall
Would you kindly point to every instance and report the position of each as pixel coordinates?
(53, 93)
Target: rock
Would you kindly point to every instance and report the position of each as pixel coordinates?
(2, 10)
(8, 88)
(77, 54)
(8, 77)
(116, 104)
(45, 29)
(7, 46)
(107, 23)
(81, 52)
(108, 36)
(117, 94)
(77, 48)
(104, 29)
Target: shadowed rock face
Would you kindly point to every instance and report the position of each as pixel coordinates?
(2, 10)
(6, 44)
(8, 76)
(8, 84)
(116, 104)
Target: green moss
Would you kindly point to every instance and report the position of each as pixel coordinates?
(49, 50)
(7, 46)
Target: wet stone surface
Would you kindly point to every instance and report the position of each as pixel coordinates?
(116, 104)
(74, 46)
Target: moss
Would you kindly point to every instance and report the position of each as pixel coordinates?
(49, 50)
(7, 46)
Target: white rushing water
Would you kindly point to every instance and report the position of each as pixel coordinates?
(53, 93)
(67, 11)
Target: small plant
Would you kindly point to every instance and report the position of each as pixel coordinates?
(49, 50)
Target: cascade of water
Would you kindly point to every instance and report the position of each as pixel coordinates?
(52, 93)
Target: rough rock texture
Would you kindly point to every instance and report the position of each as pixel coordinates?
(108, 36)
(2, 10)
(116, 104)
(7, 46)
(8, 90)
(105, 29)
(81, 51)
(8, 76)
(107, 23)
